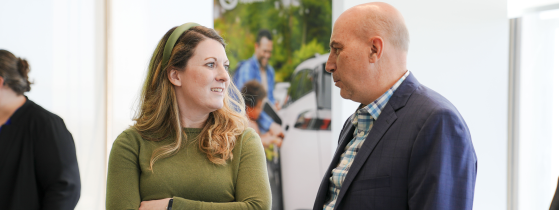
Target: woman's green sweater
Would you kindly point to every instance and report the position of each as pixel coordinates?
(188, 177)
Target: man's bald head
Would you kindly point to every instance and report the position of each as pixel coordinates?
(368, 51)
(378, 19)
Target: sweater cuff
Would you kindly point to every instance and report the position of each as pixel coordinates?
(185, 204)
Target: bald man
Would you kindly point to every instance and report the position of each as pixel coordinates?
(406, 146)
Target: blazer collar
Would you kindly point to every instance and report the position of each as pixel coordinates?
(403, 93)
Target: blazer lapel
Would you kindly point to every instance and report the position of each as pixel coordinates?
(380, 126)
(323, 192)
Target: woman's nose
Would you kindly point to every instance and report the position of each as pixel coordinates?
(223, 74)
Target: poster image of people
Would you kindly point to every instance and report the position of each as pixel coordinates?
(277, 51)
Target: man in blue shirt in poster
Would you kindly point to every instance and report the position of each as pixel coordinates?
(258, 68)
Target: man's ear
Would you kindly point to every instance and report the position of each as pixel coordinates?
(174, 77)
(376, 50)
(1, 82)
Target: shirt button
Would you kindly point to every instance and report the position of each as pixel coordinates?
(362, 133)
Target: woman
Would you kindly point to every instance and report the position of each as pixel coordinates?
(38, 165)
(190, 147)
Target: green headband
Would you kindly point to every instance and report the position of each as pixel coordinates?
(169, 45)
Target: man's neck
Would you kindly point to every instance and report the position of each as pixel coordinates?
(388, 85)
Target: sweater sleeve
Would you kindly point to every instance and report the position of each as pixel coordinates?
(123, 178)
(252, 190)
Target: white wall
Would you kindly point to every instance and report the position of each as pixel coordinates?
(459, 49)
(63, 43)
(538, 136)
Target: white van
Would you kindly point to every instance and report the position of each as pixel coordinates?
(306, 151)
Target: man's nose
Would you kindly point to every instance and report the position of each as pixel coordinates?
(330, 64)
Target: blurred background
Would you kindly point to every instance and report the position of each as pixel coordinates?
(497, 61)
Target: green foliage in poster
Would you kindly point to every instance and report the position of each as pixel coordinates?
(300, 29)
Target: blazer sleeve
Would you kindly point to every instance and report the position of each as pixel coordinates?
(252, 190)
(443, 164)
(56, 164)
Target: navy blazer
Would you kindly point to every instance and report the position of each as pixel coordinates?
(418, 155)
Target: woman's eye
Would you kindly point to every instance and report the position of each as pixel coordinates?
(226, 67)
(211, 65)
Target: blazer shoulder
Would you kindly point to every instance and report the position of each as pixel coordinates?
(432, 100)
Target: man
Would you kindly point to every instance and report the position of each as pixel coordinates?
(257, 68)
(406, 147)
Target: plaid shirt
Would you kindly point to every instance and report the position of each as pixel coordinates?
(363, 120)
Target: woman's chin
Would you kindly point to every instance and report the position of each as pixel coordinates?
(215, 107)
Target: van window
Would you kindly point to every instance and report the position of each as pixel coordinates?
(301, 84)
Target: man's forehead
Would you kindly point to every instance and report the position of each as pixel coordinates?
(341, 35)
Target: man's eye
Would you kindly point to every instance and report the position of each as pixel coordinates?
(335, 50)
(211, 65)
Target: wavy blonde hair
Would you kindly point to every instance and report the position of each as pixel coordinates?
(158, 116)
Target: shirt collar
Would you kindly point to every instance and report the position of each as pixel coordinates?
(375, 108)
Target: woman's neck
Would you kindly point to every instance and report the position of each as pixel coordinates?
(191, 116)
(193, 120)
(9, 103)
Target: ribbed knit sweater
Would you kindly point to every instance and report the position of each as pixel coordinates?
(188, 176)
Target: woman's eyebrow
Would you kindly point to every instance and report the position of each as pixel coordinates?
(211, 58)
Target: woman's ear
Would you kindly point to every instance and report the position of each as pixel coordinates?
(174, 77)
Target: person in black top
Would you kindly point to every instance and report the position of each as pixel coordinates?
(38, 165)
(555, 200)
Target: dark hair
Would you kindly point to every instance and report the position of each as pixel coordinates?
(263, 33)
(14, 70)
(253, 92)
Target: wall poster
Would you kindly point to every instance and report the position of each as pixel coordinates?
(277, 51)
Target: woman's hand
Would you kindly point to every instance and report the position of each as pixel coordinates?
(155, 204)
